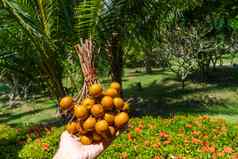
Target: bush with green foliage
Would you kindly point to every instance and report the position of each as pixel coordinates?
(151, 137)
(8, 138)
(42, 148)
(8, 135)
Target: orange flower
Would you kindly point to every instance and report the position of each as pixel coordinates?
(124, 155)
(166, 142)
(235, 156)
(157, 145)
(208, 149)
(163, 134)
(212, 149)
(188, 126)
(194, 132)
(186, 141)
(196, 141)
(205, 117)
(205, 136)
(220, 154)
(141, 125)
(45, 146)
(129, 136)
(227, 150)
(138, 130)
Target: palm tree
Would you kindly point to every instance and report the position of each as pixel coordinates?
(43, 22)
(107, 24)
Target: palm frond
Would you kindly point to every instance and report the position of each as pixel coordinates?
(86, 13)
(22, 17)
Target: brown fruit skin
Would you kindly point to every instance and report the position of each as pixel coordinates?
(95, 90)
(121, 119)
(96, 137)
(97, 110)
(72, 127)
(88, 103)
(112, 92)
(89, 124)
(81, 130)
(101, 126)
(86, 140)
(112, 131)
(109, 118)
(66, 102)
(81, 111)
(118, 102)
(107, 102)
(115, 85)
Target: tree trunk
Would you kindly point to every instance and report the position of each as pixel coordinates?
(116, 57)
(148, 60)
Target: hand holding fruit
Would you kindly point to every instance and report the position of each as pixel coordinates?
(98, 117)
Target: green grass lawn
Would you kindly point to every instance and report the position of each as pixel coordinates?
(32, 112)
(161, 95)
(161, 105)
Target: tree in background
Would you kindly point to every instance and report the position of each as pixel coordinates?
(43, 23)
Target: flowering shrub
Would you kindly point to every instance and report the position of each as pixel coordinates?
(177, 137)
(42, 147)
(146, 138)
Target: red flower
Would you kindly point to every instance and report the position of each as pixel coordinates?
(205, 143)
(196, 141)
(138, 130)
(227, 150)
(163, 134)
(45, 146)
(129, 136)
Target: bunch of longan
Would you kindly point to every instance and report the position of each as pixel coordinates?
(98, 117)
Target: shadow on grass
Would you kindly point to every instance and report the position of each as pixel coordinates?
(165, 97)
(6, 117)
(223, 75)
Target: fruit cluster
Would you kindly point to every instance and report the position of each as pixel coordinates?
(98, 117)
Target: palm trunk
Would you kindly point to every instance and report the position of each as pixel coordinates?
(148, 60)
(116, 58)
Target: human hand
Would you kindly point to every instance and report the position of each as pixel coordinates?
(71, 148)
